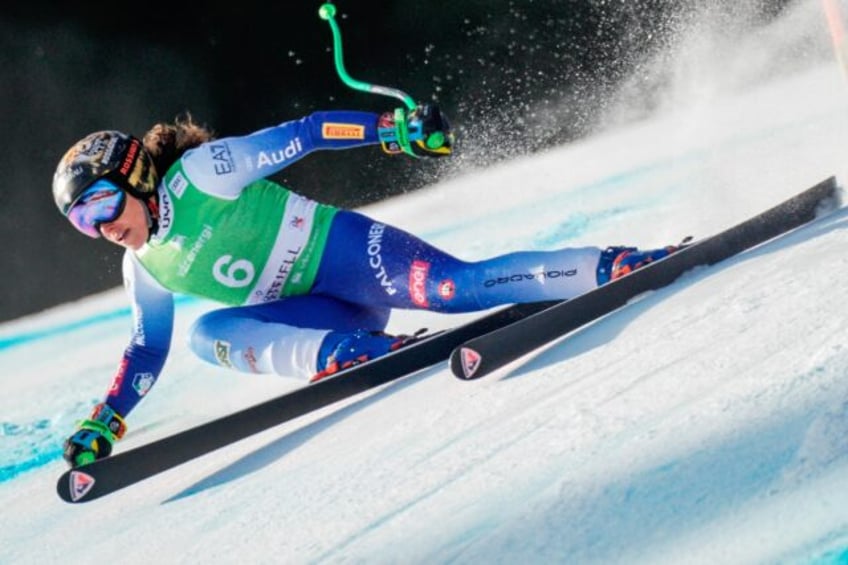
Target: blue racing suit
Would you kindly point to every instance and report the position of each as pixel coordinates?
(356, 269)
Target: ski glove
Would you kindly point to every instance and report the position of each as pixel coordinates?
(95, 436)
(423, 132)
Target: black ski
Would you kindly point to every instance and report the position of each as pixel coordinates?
(485, 353)
(123, 469)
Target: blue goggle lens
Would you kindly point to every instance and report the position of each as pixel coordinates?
(101, 203)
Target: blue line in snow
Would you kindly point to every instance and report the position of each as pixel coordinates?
(41, 458)
(832, 557)
(26, 337)
(22, 338)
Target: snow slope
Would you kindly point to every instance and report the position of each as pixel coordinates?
(707, 422)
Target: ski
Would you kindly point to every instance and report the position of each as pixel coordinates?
(118, 471)
(485, 353)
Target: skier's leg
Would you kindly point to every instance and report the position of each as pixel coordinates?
(369, 262)
(283, 337)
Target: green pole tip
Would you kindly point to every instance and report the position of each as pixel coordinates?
(327, 11)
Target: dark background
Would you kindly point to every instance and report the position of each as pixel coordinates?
(514, 76)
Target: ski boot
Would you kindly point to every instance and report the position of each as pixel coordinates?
(342, 350)
(616, 262)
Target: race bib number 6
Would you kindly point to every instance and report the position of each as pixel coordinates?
(234, 274)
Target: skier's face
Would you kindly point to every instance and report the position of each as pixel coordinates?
(130, 228)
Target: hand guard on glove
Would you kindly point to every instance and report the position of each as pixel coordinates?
(95, 436)
(423, 132)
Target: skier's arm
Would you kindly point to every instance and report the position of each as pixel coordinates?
(223, 167)
(150, 342)
(143, 359)
(227, 165)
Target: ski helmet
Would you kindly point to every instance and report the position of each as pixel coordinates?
(109, 154)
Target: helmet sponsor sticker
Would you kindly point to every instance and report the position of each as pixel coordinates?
(129, 158)
(109, 150)
(330, 130)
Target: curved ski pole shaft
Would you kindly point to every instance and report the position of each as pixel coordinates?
(328, 12)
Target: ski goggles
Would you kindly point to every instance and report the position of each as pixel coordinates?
(101, 203)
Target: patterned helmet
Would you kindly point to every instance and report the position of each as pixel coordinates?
(113, 155)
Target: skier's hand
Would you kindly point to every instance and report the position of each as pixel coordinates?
(94, 438)
(436, 137)
(423, 132)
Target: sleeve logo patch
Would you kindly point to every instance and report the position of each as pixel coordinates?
(178, 184)
(342, 131)
(222, 353)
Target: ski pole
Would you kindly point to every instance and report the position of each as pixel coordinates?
(328, 12)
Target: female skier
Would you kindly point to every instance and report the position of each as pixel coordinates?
(310, 287)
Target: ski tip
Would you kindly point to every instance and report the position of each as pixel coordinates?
(831, 203)
(465, 363)
(74, 485)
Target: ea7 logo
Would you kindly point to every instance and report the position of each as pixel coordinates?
(222, 159)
